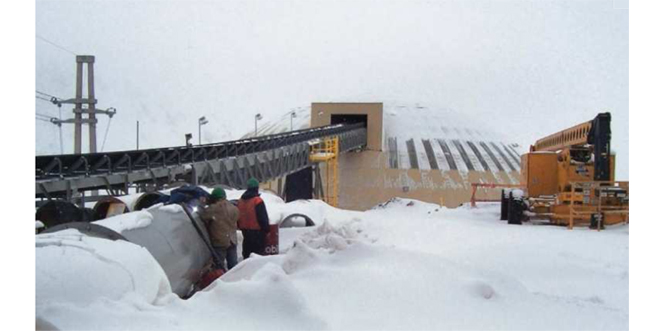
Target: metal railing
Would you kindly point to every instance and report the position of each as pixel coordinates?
(592, 195)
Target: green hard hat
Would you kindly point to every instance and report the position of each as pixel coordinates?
(252, 183)
(219, 193)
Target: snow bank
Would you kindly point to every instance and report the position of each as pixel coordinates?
(383, 287)
(128, 221)
(76, 269)
(268, 300)
(405, 264)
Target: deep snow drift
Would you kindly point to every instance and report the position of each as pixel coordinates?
(402, 265)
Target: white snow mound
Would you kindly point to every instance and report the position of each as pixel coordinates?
(79, 269)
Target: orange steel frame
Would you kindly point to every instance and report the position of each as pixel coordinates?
(576, 135)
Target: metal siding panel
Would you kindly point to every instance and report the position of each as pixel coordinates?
(448, 155)
(393, 153)
(422, 157)
(473, 157)
(456, 154)
(504, 157)
(404, 160)
(480, 157)
(492, 156)
(508, 150)
(514, 150)
(439, 155)
(412, 154)
(430, 154)
(463, 154)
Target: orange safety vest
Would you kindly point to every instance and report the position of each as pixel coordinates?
(247, 214)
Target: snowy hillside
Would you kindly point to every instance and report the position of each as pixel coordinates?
(403, 265)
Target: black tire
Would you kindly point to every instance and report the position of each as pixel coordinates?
(56, 212)
(286, 222)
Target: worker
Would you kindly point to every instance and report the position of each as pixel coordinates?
(253, 220)
(221, 218)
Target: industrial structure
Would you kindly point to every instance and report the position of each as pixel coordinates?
(404, 151)
(568, 178)
(70, 177)
(416, 152)
(78, 101)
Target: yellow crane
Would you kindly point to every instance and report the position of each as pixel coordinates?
(568, 178)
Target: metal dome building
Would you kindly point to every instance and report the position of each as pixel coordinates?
(413, 151)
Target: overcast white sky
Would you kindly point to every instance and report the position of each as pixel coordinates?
(528, 67)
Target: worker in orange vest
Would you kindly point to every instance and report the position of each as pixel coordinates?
(253, 220)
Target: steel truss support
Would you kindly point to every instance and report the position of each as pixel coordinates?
(63, 176)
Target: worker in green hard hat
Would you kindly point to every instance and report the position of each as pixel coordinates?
(253, 220)
(221, 218)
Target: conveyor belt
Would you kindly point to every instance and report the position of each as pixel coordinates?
(229, 162)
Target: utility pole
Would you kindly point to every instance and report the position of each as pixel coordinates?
(78, 109)
(137, 136)
(293, 115)
(201, 121)
(256, 118)
(91, 104)
(77, 134)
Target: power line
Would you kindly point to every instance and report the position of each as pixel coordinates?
(46, 94)
(43, 115)
(46, 118)
(42, 98)
(48, 98)
(56, 45)
(106, 134)
(60, 127)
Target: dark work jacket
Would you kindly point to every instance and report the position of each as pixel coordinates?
(260, 209)
(220, 218)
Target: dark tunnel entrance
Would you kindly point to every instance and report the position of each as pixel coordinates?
(348, 119)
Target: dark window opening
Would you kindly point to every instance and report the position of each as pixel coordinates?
(348, 119)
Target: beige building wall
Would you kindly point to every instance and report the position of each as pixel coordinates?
(365, 181)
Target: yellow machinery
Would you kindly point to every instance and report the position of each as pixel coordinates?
(568, 177)
(327, 151)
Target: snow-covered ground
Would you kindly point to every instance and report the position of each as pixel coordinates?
(403, 265)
